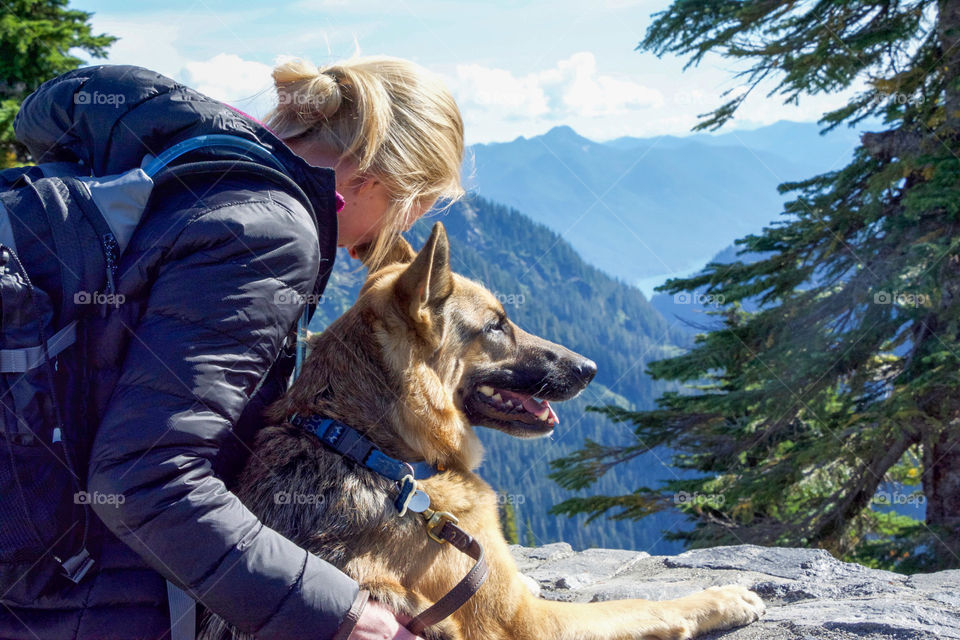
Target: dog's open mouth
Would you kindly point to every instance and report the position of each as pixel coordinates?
(519, 413)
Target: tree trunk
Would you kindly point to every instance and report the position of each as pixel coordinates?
(941, 478)
(941, 451)
(948, 30)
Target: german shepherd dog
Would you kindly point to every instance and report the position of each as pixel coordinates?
(422, 357)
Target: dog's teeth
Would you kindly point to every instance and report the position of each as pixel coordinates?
(485, 390)
(497, 397)
(508, 404)
(543, 414)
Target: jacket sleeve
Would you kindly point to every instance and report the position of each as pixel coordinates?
(214, 322)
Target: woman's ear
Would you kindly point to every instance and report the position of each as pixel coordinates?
(360, 185)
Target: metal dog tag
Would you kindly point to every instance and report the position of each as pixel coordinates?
(419, 502)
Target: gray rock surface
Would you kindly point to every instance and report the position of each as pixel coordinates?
(809, 594)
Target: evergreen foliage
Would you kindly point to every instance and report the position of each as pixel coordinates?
(803, 415)
(36, 39)
(508, 522)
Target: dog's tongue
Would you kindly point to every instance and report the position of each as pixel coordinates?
(536, 407)
(530, 404)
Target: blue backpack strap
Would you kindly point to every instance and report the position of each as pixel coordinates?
(154, 166)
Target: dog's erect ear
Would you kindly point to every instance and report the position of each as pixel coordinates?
(427, 280)
(400, 251)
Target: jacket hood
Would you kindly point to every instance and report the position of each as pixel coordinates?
(108, 117)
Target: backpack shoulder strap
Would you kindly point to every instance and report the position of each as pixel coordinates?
(26, 358)
(152, 167)
(53, 201)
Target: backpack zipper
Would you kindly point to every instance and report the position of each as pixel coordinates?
(111, 250)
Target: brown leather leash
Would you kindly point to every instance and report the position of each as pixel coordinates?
(442, 527)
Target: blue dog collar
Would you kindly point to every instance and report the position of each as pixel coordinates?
(350, 444)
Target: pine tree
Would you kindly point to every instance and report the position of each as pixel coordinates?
(529, 539)
(508, 520)
(843, 385)
(36, 37)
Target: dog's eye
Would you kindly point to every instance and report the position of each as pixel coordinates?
(494, 326)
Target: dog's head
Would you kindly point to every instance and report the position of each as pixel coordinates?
(449, 358)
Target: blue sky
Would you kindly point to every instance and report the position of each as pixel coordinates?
(516, 68)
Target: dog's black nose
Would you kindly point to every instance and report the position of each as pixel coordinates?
(586, 369)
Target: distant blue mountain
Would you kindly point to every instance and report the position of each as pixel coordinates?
(643, 209)
(690, 310)
(799, 141)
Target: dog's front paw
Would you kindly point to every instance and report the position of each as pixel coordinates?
(730, 606)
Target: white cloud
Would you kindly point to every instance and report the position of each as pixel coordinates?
(146, 44)
(599, 104)
(229, 78)
(572, 88)
(588, 93)
(501, 90)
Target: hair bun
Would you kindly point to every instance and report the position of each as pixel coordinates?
(305, 89)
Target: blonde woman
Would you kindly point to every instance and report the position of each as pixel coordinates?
(214, 278)
(391, 131)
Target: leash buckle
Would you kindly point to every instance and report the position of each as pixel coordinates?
(435, 522)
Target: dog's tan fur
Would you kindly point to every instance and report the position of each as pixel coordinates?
(396, 367)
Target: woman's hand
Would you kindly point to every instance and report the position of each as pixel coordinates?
(377, 622)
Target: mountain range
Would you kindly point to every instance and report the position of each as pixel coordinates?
(645, 209)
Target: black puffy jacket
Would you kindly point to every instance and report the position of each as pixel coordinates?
(174, 367)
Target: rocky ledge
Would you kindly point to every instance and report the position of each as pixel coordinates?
(809, 594)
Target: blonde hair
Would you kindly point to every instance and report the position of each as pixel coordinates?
(397, 121)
